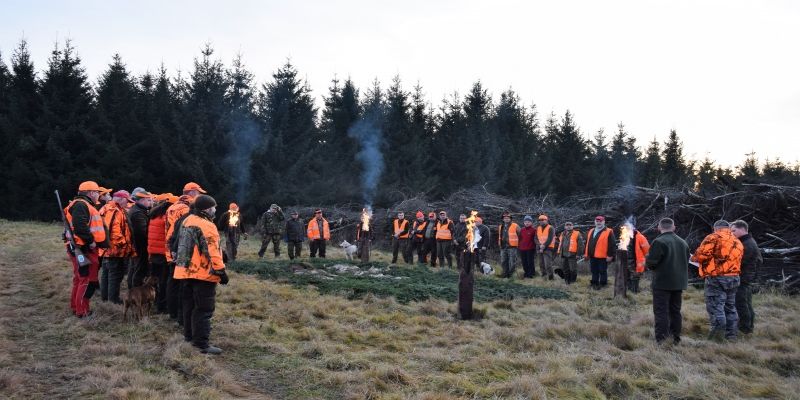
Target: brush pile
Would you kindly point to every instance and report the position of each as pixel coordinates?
(772, 211)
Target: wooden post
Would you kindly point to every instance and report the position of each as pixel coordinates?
(466, 283)
(621, 275)
(364, 247)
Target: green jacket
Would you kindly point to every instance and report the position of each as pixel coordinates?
(669, 260)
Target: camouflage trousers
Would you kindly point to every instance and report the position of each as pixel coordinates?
(720, 293)
(275, 238)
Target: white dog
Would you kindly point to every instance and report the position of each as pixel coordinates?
(487, 269)
(349, 249)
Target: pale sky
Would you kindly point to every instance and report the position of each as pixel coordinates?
(724, 74)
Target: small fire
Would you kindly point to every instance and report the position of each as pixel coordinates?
(366, 214)
(625, 235)
(233, 219)
(472, 240)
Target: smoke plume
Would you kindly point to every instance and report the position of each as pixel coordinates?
(245, 136)
(369, 135)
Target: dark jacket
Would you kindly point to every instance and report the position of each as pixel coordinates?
(669, 260)
(460, 233)
(137, 216)
(360, 233)
(751, 260)
(294, 230)
(486, 237)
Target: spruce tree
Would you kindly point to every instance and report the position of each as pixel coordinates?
(675, 168)
(342, 110)
(517, 131)
(396, 177)
(651, 168)
(749, 171)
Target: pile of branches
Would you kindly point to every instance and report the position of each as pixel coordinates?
(773, 213)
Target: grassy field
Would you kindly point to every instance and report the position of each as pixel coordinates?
(286, 340)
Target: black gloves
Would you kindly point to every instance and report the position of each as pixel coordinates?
(83, 271)
(223, 276)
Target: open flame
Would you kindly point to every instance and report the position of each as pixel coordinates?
(625, 235)
(472, 237)
(366, 214)
(233, 219)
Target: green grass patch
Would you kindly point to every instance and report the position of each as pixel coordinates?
(405, 284)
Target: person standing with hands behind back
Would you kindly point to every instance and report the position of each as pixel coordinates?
(669, 260)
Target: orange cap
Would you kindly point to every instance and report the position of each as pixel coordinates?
(104, 190)
(233, 206)
(192, 186)
(89, 186)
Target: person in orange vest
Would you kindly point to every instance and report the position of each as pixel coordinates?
(400, 233)
(199, 266)
(120, 249)
(570, 245)
(527, 247)
(89, 233)
(157, 246)
(600, 245)
(231, 223)
(508, 240)
(444, 239)
(545, 246)
(318, 233)
(638, 246)
(174, 213)
(105, 198)
(720, 259)
(418, 237)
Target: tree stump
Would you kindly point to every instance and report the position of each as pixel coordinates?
(621, 275)
(466, 283)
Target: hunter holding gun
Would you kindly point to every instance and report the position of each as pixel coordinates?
(84, 232)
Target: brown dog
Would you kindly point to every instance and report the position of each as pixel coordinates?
(140, 298)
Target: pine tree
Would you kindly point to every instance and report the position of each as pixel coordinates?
(651, 168)
(68, 151)
(603, 174)
(518, 137)
(282, 165)
(123, 161)
(675, 169)
(396, 146)
(420, 142)
(706, 177)
(749, 171)
(23, 152)
(448, 162)
(624, 157)
(342, 110)
(570, 151)
(243, 129)
(483, 166)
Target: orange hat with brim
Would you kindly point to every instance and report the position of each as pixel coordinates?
(89, 186)
(143, 195)
(104, 190)
(192, 186)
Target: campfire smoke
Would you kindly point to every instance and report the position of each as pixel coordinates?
(369, 135)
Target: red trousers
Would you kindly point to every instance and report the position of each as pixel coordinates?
(83, 287)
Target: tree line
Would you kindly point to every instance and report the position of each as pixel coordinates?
(257, 144)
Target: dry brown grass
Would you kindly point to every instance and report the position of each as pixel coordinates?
(293, 343)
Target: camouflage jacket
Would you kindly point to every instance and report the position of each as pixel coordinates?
(190, 237)
(272, 222)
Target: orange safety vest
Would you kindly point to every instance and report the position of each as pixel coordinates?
(200, 266)
(96, 226)
(420, 226)
(442, 230)
(600, 246)
(313, 230)
(720, 254)
(542, 234)
(573, 241)
(399, 228)
(513, 239)
(640, 248)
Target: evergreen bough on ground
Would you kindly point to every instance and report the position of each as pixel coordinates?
(417, 283)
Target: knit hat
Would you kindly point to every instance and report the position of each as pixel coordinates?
(204, 202)
(543, 217)
(528, 218)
